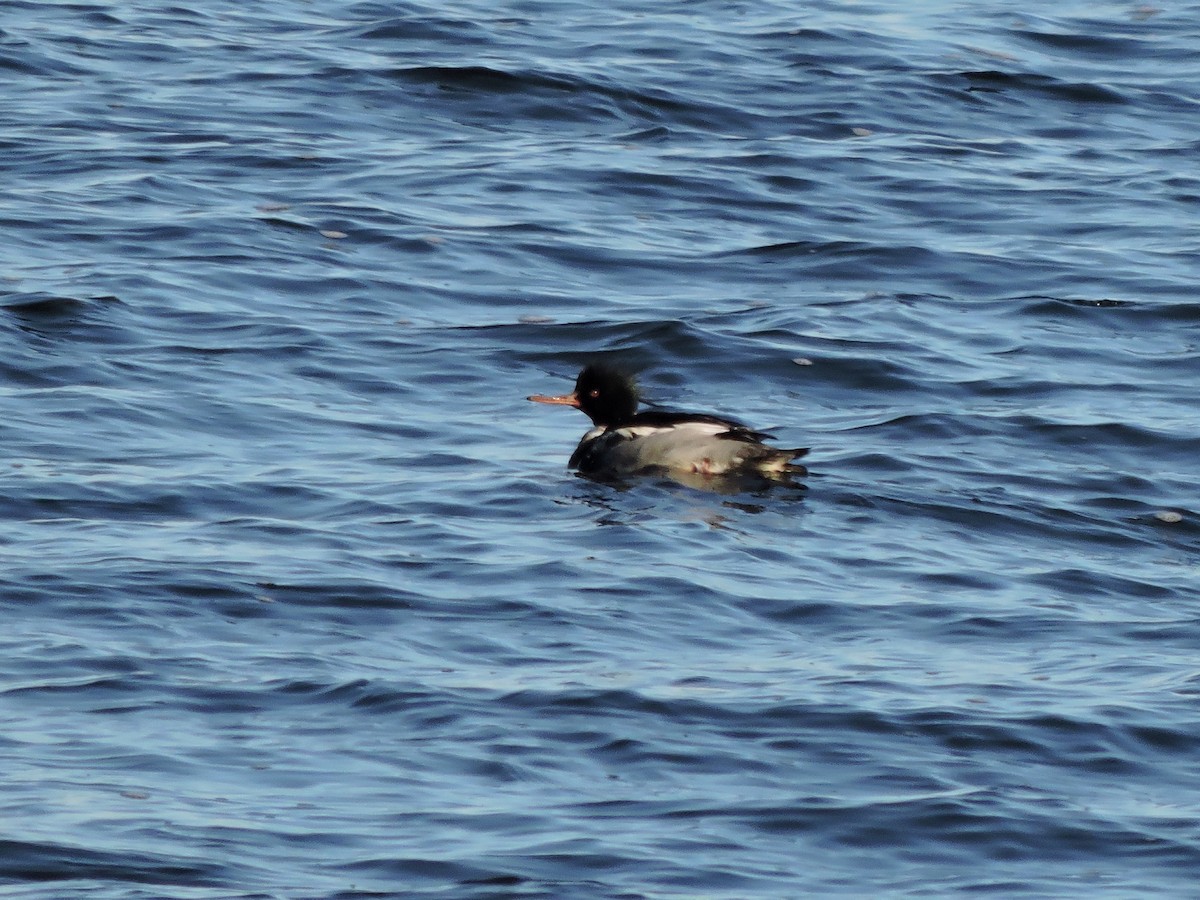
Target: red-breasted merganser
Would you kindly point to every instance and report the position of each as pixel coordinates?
(625, 441)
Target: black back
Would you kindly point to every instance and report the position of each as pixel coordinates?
(610, 398)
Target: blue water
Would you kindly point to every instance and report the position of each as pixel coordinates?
(300, 600)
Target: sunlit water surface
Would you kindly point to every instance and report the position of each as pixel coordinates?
(300, 600)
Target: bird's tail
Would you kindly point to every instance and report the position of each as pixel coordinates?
(777, 462)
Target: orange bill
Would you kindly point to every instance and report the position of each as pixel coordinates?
(564, 400)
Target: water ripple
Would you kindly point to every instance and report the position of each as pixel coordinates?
(291, 563)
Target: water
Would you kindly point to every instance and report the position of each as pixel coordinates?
(300, 599)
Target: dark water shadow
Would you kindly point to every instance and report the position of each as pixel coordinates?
(645, 497)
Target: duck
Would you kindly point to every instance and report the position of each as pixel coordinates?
(625, 442)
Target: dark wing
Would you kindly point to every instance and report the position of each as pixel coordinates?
(665, 418)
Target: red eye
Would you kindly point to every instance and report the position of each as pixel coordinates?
(593, 393)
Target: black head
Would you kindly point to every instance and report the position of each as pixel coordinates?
(608, 396)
